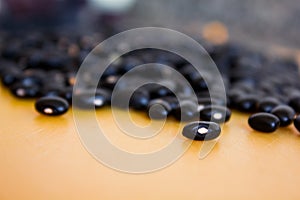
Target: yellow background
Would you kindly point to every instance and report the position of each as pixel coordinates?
(43, 158)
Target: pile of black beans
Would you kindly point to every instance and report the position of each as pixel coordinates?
(43, 66)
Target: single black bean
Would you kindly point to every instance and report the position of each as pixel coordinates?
(246, 103)
(91, 99)
(139, 100)
(201, 130)
(187, 111)
(158, 109)
(218, 114)
(51, 106)
(264, 122)
(285, 114)
(267, 104)
(22, 91)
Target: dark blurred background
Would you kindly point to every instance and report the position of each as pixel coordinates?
(255, 22)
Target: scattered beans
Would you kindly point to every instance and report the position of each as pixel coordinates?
(44, 66)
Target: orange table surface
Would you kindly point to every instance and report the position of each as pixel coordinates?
(43, 158)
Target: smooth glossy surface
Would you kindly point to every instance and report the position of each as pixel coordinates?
(285, 114)
(91, 99)
(51, 106)
(21, 91)
(218, 114)
(267, 104)
(246, 103)
(201, 130)
(264, 122)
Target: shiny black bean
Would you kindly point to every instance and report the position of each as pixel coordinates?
(246, 103)
(90, 99)
(201, 130)
(264, 122)
(51, 106)
(267, 104)
(139, 100)
(218, 114)
(285, 114)
(21, 91)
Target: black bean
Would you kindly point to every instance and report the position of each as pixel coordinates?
(90, 99)
(264, 122)
(158, 109)
(294, 102)
(285, 114)
(30, 80)
(109, 82)
(267, 104)
(297, 123)
(199, 84)
(51, 106)
(201, 130)
(218, 114)
(10, 76)
(139, 100)
(159, 91)
(186, 111)
(22, 91)
(246, 103)
(233, 95)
